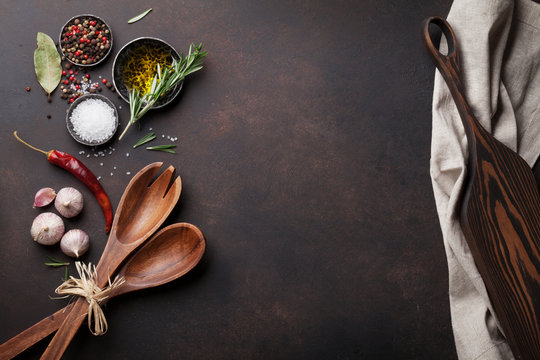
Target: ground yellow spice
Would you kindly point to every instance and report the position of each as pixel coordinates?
(141, 66)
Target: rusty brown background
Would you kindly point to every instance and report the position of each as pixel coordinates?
(303, 147)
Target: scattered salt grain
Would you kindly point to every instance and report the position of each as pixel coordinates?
(128, 173)
(93, 120)
(100, 164)
(99, 177)
(114, 167)
(127, 154)
(111, 174)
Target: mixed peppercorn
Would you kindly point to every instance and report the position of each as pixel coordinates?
(75, 83)
(85, 40)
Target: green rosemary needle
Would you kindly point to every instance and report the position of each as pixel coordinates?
(163, 82)
(56, 263)
(164, 148)
(147, 138)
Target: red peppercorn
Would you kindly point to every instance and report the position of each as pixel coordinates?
(92, 22)
(85, 56)
(70, 71)
(84, 32)
(97, 32)
(77, 53)
(104, 81)
(72, 100)
(64, 72)
(87, 76)
(88, 41)
(66, 82)
(74, 28)
(77, 87)
(104, 38)
(82, 40)
(71, 78)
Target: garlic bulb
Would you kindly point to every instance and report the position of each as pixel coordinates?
(47, 228)
(74, 243)
(44, 197)
(69, 202)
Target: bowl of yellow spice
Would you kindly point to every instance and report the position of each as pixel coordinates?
(137, 64)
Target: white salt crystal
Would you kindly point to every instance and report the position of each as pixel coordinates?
(93, 120)
(100, 164)
(99, 177)
(127, 154)
(114, 167)
(128, 173)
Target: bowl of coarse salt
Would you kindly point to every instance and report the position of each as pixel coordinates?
(92, 119)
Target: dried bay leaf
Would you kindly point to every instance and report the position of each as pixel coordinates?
(47, 63)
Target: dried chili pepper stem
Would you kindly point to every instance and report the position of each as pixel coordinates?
(81, 172)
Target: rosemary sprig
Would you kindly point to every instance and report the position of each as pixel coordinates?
(164, 148)
(163, 82)
(56, 263)
(147, 138)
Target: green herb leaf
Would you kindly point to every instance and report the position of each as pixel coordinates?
(66, 274)
(139, 17)
(147, 138)
(47, 63)
(164, 148)
(55, 263)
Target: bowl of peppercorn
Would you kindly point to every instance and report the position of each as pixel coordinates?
(85, 40)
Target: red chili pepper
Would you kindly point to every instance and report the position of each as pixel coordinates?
(81, 172)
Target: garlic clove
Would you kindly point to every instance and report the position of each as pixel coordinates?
(69, 202)
(74, 243)
(47, 228)
(44, 197)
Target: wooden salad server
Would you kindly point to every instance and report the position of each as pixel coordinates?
(169, 254)
(500, 214)
(144, 206)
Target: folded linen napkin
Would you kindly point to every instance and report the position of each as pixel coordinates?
(499, 48)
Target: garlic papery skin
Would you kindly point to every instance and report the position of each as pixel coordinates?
(69, 202)
(44, 197)
(74, 243)
(47, 228)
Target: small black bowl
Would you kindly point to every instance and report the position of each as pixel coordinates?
(70, 23)
(78, 102)
(126, 52)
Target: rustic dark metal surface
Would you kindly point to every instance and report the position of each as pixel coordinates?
(303, 148)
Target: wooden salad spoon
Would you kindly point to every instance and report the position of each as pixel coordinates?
(169, 254)
(144, 206)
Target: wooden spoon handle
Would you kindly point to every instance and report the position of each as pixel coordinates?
(67, 330)
(33, 334)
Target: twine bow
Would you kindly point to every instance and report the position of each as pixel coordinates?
(87, 287)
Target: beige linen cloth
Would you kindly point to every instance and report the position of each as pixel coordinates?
(499, 45)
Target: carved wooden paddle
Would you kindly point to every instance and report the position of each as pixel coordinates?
(500, 214)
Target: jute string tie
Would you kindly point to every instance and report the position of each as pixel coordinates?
(86, 286)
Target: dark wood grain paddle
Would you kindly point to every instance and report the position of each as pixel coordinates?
(500, 214)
